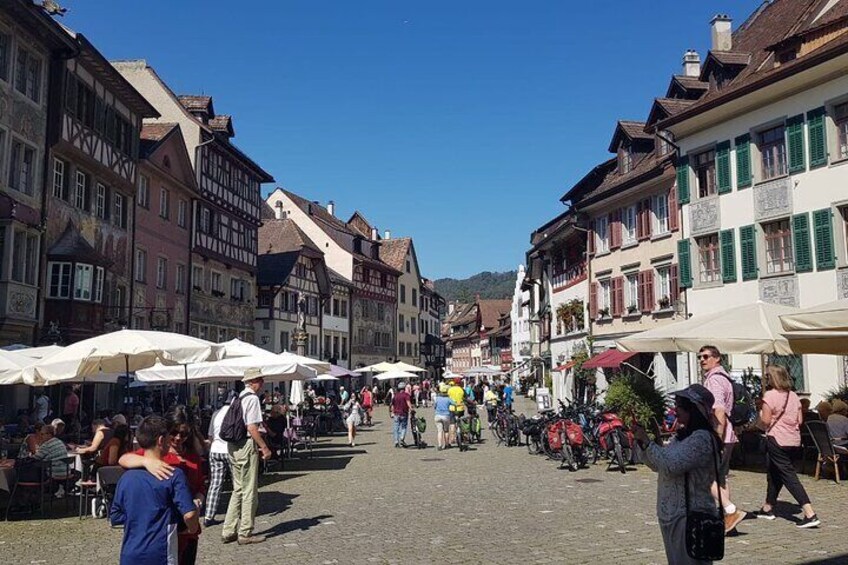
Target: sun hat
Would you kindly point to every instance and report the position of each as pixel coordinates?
(698, 395)
(252, 374)
(57, 422)
(401, 385)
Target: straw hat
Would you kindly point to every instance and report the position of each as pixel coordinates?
(252, 374)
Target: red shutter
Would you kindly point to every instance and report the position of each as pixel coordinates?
(674, 285)
(639, 227)
(590, 240)
(673, 212)
(645, 219)
(615, 229)
(640, 283)
(617, 296)
(593, 301)
(648, 303)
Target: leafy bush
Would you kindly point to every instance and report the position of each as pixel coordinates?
(840, 393)
(632, 393)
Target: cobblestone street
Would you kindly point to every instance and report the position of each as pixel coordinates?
(376, 504)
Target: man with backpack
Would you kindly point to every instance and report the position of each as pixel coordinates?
(240, 429)
(719, 383)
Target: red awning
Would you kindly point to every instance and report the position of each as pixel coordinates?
(609, 359)
(565, 367)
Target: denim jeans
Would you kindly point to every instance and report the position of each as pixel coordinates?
(399, 428)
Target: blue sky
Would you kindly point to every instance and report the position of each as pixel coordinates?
(459, 123)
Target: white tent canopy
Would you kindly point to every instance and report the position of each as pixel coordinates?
(12, 364)
(392, 375)
(319, 366)
(385, 366)
(819, 329)
(227, 370)
(482, 371)
(753, 328)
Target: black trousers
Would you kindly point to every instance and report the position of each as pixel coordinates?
(781, 473)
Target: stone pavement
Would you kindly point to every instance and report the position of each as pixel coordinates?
(376, 504)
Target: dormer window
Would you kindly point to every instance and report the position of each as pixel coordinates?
(664, 146)
(625, 159)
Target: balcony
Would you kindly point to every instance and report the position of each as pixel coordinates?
(568, 277)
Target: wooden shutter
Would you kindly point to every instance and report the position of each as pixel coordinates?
(728, 256)
(748, 248)
(823, 229)
(644, 218)
(723, 167)
(801, 240)
(795, 143)
(818, 137)
(593, 301)
(683, 180)
(647, 294)
(640, 235)
(617, 292)
(674, 284)
(590, 241)
(615, 229)
(673, 212)
(743, 161)
(685, 278)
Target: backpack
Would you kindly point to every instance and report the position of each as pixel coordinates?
(233, 428)
(743, 406)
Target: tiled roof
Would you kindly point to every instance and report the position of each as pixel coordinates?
(394, 251)
(156, 131)
(491, 311)
(633, 130)
(662, 108)
(731, 57)
(280, 236)
(222, 123)
(72, 245)
(690, 83)
(194, 102)
(273, 269)
(649, 166)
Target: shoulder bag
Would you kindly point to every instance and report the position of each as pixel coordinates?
(705, 530)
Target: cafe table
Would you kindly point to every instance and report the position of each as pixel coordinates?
(7, 474)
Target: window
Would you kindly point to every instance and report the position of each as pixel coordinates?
(59, 280)
(335, 307)
(625, 160)
(182, 213)
(81, 192)
(415, 297)
(628, 224)
(602, 234)
(179, 282)
(82, 281)
(604, 298)
(403, 294)
(366, 275)
(381, 311)
(335, 349)
(344, 309)
(705, 171)
(97, 286)
(408, 267)
(22, 167)
(631, 289)
(24, 257)
(328, 349)
(143, 191)
(140, 265)
(164, 203)
(663, 139)
(197, 277)
(121, 211)
(285, 343)
(773, 152)
(840, 116)
(710, 266)
(60, 188)
(778, 239)
(161, 272)
(206, 220)
(100, 201)
(401, 323)
(28, 75)
(344, 348)
(663, 282)
(237, 292)
(217, 282)
(659, 207)
(5, 48)
(413, 325)
(313, 345)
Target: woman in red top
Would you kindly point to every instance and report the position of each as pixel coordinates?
(186, 447)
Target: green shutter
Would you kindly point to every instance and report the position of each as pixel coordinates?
(795, 143)
(818, 137)
(801, 235)
(823, 229)
(683, 181)
(748, 247)
(728, 256)
(723, 167)
(685, 268)
(743, 161)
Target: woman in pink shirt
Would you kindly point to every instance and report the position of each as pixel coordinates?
(781, 417)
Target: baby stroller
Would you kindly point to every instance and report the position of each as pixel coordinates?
(419, 426)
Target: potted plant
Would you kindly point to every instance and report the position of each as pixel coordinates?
(632, 309)
(664, 302)
(603, 312)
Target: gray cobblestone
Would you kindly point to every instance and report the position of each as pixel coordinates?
(376, 505)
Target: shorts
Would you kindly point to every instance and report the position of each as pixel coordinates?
(724, 464)
(443, 422)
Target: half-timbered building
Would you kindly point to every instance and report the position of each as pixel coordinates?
(226, 216)
(336, 322)
(29, 43)
(91, 192)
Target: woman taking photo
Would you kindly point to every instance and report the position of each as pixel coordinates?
(781, 418)
(690, 457)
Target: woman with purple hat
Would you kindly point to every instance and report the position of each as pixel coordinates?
(688, 459)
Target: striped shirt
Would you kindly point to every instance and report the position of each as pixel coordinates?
(54, 450)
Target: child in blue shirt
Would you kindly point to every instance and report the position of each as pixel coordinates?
(150, 509)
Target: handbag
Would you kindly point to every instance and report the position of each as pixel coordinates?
(705, 530)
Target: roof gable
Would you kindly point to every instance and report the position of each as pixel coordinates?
(164, 146)
(630, 131)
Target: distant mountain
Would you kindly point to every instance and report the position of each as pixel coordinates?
(486, 284)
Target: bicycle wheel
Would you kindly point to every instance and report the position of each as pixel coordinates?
(619, 452)
(568, 458)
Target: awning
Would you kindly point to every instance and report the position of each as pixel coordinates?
(609, 359)
(565, 367)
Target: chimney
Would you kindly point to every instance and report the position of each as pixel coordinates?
(331, 208)
(387, 234)
(374, 234)
(722, 33)
(691, 64)
(278, 209)
(309, 208)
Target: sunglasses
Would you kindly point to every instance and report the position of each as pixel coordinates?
(180, 433)
(704, 356)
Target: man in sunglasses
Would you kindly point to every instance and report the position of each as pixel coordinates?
(717, 381)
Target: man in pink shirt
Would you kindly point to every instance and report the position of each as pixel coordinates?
(717, 381)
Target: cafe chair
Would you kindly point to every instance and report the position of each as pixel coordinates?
(31, 478)
(828, 453)
(108, 478)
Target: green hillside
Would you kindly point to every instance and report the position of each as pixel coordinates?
(486, 284)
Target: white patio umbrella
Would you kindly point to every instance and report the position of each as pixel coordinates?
(296, 395)
(393, 375)
(819, 329)
(273, 370)
(386, 366)
(753, 328)
(319, 366)
(120, 352)
(39, 352)
(12, 365)
(238, 348)
(323, 378)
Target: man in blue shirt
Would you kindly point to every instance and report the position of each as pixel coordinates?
(507, 394)
(152, 510)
